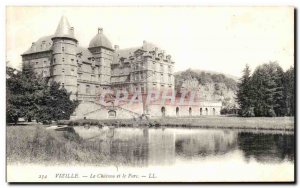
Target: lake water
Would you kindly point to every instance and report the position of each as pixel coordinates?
(193, 154)
(169, 146)
(174, 155)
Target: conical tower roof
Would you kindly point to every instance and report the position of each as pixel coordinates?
(64, 29)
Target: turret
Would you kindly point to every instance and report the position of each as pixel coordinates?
(64, 65)
(102, 50)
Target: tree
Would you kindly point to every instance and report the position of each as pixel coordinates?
(28, 95)
(268, 98)
(21, 87)
(289, 91)
(245, 94)
(54, 103)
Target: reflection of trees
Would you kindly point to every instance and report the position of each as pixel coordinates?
(127, 147)
(267, 147)
(205, 143)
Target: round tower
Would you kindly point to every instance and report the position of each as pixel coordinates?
(64, 62)
(102, 50)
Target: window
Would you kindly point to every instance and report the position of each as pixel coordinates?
(36, 63)
(153, 66)
(54, 60)
(63, 59)
(63, 49)
(161, 67)
(63, 70)
(161, 78)
(62, 85)
(177, 111)
(87, 89)
(97, 89)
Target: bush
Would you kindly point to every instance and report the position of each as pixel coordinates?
(63, 122)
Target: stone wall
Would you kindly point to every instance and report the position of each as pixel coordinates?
(91, 110)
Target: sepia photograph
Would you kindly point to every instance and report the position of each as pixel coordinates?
(150, 94)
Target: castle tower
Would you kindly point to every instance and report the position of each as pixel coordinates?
(102, 51)
(64, 64)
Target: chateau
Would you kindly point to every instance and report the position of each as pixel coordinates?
(88, 72)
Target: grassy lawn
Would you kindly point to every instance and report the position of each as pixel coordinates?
(276, 123)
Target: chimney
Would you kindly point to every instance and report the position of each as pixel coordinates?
(72, 30)
(33, 47)
(116, 47)
(43, 44)
(100, 30)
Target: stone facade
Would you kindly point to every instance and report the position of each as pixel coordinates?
(87, 72)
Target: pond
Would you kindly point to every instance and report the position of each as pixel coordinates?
(162, 155)
(170, 146)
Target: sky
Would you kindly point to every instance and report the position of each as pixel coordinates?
(220, 39)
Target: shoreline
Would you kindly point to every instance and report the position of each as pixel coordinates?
(208, 122)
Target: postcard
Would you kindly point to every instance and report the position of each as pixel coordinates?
(150, 94)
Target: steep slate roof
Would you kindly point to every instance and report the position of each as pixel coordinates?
(38, 45)
(85, 53)
(125, 53)
(64, 29)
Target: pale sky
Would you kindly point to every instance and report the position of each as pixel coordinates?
(205, 38)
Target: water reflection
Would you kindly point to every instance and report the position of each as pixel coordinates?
(147, 147)
(267, 147)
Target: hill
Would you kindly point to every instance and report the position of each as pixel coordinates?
(211, 85)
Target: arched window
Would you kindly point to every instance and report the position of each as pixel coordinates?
(214, 111)
(112, 113)
(200, 111)
(177, 111)
(163, 111)
(190, 111)
(206, 111)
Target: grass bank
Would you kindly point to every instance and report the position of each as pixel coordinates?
(276, 123)
(35, 144)
(218, 122)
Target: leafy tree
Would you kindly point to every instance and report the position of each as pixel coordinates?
(29, 95)
(54, 103)
(21, 87)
